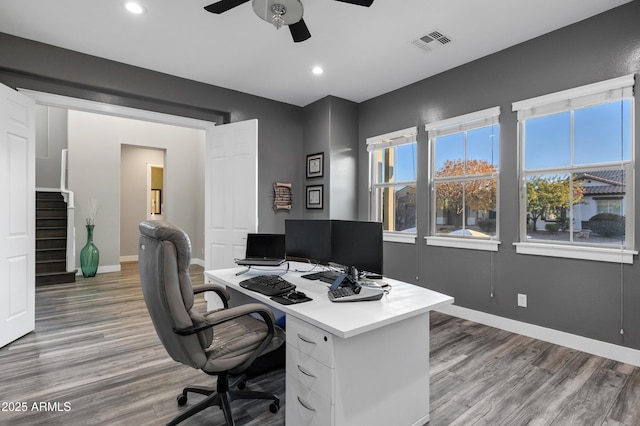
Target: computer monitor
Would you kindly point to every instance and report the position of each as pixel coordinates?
(356, 244)
(308, 239)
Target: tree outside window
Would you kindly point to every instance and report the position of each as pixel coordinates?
(576, 165)
(465, 183)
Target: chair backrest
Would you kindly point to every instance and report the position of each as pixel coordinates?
(164, 255)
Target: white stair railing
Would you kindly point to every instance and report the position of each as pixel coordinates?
(68, 197)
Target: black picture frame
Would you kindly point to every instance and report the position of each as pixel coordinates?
(315, 196)
(315, 165)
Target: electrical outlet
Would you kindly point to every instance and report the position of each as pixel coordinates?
(522, 300)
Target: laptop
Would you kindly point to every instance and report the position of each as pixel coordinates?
(264, 250)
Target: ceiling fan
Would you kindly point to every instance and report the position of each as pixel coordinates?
(278, 13)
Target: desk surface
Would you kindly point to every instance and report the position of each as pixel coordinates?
(345, 319)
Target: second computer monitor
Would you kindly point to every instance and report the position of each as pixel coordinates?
(357, 244)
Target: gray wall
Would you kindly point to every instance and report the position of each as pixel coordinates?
(579, 297)
(317, 138)
(330, 127)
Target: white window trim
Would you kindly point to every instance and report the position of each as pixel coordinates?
(461, 123)
(577, 252)
(399, 237)
(377, 143)
(463, 243)
(579, 97)
(567, 100)
(399, 137)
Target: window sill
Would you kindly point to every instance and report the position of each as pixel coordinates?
(463, 243)
(577, 252)
(399, 237)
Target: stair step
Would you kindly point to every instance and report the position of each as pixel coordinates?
(55, 278)
(51, 232)
(51, 266)
(51, 222)
(51, 213)
(50, 204)
(51, 243)
(51, 254)
(48, 195)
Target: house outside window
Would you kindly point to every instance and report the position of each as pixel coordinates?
(393, 183)
(464, 180)
(576, 166)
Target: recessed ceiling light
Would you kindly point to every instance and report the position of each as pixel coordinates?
(317, 70)
(133, 7)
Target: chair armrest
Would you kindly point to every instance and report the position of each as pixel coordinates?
(224, 315)
(216, 288)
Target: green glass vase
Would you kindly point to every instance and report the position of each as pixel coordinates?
(89, 255)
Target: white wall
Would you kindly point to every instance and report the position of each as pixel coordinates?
(94, 172)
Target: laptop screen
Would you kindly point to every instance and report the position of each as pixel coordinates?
(265, 246)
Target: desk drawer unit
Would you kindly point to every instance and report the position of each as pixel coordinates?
(305, 407)
(310, 375)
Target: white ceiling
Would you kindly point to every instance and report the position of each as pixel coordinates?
(365, 52)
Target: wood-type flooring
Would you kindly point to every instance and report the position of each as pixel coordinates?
(95, 359)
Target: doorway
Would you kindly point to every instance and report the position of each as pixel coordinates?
(100, 160)
(141, 178)
(155, 191)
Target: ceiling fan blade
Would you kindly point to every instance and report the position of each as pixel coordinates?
(365, 3)
(299, 31)
(223, 5)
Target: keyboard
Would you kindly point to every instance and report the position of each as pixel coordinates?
(269, 285)
(340, 292)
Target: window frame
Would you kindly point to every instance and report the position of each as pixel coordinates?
(463, 123)
(570, 100)
(374, 145)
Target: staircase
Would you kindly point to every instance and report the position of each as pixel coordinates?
(51, 239)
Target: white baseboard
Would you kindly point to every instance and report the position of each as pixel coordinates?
(134, 258)
(584, 344)
(103, 269)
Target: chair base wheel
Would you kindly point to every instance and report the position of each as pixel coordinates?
(274, 407)
(182, 399)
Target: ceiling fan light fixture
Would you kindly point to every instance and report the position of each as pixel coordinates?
(278, 12)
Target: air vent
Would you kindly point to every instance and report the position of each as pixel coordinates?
(431, 40)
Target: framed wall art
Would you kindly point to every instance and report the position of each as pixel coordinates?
(314, 196)
(315, 165)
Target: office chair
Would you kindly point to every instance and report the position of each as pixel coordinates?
(223, 343)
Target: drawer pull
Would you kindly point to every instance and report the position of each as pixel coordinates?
(305, 339)
(305, 372)
(305, 405)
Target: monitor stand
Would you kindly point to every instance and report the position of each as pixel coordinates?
(324, 276)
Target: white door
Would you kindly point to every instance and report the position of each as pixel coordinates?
(17, 215)
(231, 192)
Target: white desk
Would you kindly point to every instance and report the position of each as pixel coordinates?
(360, 363)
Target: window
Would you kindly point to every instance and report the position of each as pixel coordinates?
(464, 180)
(577, 167)
(393, 183)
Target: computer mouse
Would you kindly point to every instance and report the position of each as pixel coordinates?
(297, 295)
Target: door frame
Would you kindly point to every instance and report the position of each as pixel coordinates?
(60, 101)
